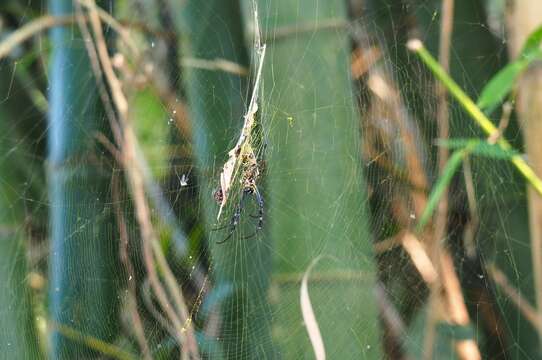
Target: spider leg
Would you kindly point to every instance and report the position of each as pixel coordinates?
(235, 219)
(260, 202)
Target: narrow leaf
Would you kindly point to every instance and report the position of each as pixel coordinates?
(501, 84)
(442, 183)
(532, 43)
(479, 147)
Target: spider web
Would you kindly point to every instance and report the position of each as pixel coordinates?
(239, 304)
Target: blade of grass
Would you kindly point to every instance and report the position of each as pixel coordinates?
(442, 183)
(466, 147)
(479, 147)
(502, 83)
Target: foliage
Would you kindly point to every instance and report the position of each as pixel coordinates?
(268, 215)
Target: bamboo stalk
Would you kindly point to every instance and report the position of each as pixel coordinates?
(316, 188)
(525, 17)
(83, 283)
(217, 101)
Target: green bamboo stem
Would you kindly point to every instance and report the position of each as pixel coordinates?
(316, 193)
(84, 254)
(208, 31)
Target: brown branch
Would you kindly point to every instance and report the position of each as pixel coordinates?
(443, 124)
(46, 22)
(474, 220)
(32, 28)
(451, 298)
(151, 246)
(112, 22)
(125, 258)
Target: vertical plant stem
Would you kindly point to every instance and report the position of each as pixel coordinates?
(525, 17)
(153, 256)
(83, 257)
(18, 338)
(446, 29)
(316, 189)
(441, 219)
(212, 30)
(137, 323)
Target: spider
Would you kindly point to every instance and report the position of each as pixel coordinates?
(249, 176)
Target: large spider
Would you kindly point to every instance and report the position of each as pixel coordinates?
(249, 175)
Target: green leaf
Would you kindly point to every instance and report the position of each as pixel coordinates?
(465, 147)
(501, 84)
(442, 183)
(479, 147)
(532, 43)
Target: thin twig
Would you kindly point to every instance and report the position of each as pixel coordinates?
(102, 88)
(415, 249)
(443, 112)
(46, 22)
(146, 294)
(503, 123)
(389, 98)
(474, 220)
(113, 23)
(151, 247)
(441, 219)
(34, 27)
(125, 258)
(466, 349)
(97, 68)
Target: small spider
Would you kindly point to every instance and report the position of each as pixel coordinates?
(249, 176)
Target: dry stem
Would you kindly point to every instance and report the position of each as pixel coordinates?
(125, 258)
(453, 299)
(178, 314)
